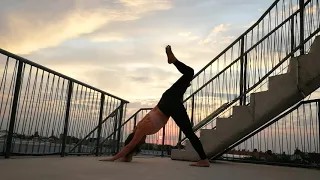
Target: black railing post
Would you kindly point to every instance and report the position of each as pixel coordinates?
(119, 124)
(180, 134)
(14, 109)
(163, 136)
(66, 120)
(135, 121)
(319, 123)
(245, 78)
(241, 71)
(79, 148)
(179, 139)
(192, 112)
(292, 35)
(100, 123)
(301, 6)
(113, 151)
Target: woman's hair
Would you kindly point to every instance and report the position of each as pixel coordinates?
(137, 149)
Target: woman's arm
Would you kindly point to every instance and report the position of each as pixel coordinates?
(138, 136)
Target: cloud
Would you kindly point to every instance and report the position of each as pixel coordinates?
(24, 32)
(189, 36)
(186, 34)
(143, 6)
(220, 28)
(250, 24)
(104, 37)
(215, 32)
(136, 104)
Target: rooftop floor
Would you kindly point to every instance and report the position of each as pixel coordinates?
(153, 168)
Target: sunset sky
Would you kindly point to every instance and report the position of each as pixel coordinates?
(118, 45)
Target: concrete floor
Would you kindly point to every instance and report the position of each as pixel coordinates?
(89, 168)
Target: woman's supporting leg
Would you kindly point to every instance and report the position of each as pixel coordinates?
(181, 118)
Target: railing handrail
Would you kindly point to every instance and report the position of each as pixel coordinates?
(239, 38)
(14, 56)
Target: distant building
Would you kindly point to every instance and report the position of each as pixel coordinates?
(296, 157)
(3, 133)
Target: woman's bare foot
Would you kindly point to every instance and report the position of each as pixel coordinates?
(170, 55)
(125, 159)
(201, 163)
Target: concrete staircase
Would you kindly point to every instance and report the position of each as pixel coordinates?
(285, 90)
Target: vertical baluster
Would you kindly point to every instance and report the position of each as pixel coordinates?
(66, 121)
(100, 123)
(14, 109)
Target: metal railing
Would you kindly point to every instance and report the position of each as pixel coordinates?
(110, 145)
(285, 30)
(109, 128)
(44, 112)
(291, 139)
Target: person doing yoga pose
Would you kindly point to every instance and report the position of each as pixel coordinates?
(170, 105)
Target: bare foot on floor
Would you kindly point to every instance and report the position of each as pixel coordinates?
(170, 55)
(125, 159)
(201, 163)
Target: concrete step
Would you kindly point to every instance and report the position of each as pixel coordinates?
(188, 145)
(229, 126)
(242, 118)
(177, 154)
(223, 123)
(308, 71)
(261, 102)
(292, 65)
(206, 132)
(315, 45)
(224, 127)
(282, 83)
(244, 113)
(305, 67)
(308, 68)
(208, 138)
